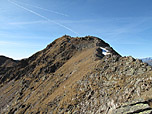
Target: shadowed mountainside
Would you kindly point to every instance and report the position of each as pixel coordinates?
(74, 75)
(7, 62)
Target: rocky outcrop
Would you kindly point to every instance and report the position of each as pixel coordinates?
(109, 86)
(73, 75)
(134, 107)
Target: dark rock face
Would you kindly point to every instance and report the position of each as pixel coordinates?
(138, 106)
(73, 75)
(7, 62)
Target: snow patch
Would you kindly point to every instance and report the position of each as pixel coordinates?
(105, 51)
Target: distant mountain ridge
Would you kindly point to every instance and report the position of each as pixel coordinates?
(147, 60)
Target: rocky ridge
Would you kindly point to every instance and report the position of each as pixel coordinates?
(6, 64)
(147, 60)
(72, 75)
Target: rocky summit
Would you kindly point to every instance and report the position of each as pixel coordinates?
(76, 75)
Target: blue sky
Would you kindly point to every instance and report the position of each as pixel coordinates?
(28, 26)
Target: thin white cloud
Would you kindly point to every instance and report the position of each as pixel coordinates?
(42, 21)
(26, 22)
(113, 29)
(47, 19)
(18, 44)
(78, 21)
(7, 43)
(21, 36)
(59, 13)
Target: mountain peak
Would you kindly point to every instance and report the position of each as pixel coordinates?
(83, 43)
(74, 75)
(58, 53)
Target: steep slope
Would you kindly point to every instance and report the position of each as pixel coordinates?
(54, 56)
(77, 75)
(30, 73)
